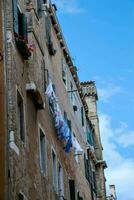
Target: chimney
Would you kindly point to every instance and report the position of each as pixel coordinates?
(113, 191)
(90, 95)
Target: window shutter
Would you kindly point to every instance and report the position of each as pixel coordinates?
(20, 17)
(24, 20)
(39, 7)
(82, 116)
(23, 26)
(48, 30)
(90, 136)
(15, 17)
(94, 182)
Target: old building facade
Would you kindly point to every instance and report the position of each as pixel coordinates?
(112, 195)
(50, 139)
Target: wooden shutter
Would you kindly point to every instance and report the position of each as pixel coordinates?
(90, 136)
(48, 30)
(22, 26)
(94, 182)
(24, 20)
(15, 17)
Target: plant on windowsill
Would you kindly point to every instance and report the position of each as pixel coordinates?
(22, 45)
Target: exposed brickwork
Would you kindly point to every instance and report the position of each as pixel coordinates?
(25, 175)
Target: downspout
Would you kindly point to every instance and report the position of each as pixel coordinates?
(2, 110)
(7, 62)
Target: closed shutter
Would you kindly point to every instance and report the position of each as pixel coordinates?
(94, 182)
(23, 26)
(24, 19)
(90, 137)
(48, 30)
(15, 17)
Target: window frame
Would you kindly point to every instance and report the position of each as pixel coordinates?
(43, 169)
(20, 131)
(54, 171)
(60, 176)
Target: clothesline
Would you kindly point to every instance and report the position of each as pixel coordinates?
(61, 124)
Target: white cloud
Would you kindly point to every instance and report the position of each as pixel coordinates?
(68, 6)
(120, 169)
(106, 93)
(125, 136)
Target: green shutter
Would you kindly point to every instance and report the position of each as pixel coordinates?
(15, 17)
(82, 116)
(24, 19)
(23, 26)
(90, 137)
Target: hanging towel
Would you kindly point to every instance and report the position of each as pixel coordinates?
(76, 145)
(69, 143)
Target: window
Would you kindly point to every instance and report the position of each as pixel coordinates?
(51, 49)
(76, 155)
(82, 116)
(20, 31)
(20, 117)
(46, 76)
(71, 91)
(94, 182)
(72, 189)
(54, 167)
(79, 197)
(60, 182)
(64, 76)
(39, 7)
(19, 22)
(20, 196)
(42, 152)
(67, 121)
(88, 170)
(90, 136)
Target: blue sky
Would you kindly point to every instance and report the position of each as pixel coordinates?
(100, 36)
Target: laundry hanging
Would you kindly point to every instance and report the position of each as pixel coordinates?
(76, 145)
(63, 130)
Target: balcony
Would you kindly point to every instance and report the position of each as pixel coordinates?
(36, 95)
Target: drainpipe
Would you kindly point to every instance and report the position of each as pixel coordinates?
(2, 110)
(7, 63)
